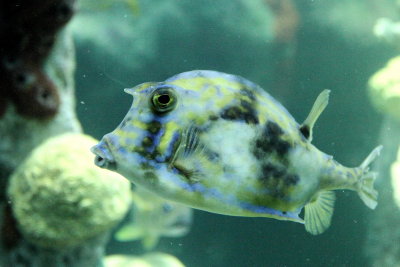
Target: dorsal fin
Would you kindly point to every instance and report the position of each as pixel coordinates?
(139, 87)
(319, 105)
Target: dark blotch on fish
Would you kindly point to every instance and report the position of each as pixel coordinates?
(271, 141)
(271, 171)
(247, 92)
(150, 176)
(291, 179)
(153, 128)
(305, 131)
(276, 179)
(243, 112)
(147, 141)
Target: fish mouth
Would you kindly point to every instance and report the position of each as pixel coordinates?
(104, 158)
(182, 223)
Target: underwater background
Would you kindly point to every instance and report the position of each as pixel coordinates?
(292, 48)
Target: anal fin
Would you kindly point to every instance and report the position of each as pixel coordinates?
(318, 212)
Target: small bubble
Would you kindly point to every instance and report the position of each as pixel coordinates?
(82, 102)
(84, 75)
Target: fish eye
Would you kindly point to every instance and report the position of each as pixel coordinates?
(163, 100)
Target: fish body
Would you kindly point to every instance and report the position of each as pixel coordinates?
(220, 143)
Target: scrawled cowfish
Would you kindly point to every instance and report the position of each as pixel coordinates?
(220, 143)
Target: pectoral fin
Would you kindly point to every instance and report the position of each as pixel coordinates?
(318, 212)
(319, 105)
(189, 154)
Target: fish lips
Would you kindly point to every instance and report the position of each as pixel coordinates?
(104, 158)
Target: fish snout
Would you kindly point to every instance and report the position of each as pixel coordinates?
(104, 158)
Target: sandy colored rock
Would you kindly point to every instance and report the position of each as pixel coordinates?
(156, 259)
(60, 198)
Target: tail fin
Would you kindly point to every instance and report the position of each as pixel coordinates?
(365, 184)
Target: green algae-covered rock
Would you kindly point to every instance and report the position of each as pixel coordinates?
(60, 198)
(384, 89)
(155, 259)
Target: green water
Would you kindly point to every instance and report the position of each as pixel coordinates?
(331, 47)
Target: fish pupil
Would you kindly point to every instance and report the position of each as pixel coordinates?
(164, 99)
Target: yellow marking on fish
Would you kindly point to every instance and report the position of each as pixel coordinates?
(198, 83)
(126, 134)
(170, 128)
(139, 124)
(193, 116)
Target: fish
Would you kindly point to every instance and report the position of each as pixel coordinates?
(220, 143)
(153, 217)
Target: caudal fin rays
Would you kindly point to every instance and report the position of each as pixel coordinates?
(365, 184)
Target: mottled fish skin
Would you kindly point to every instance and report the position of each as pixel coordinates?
(249, 157)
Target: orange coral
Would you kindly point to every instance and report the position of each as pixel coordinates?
(27, 34)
